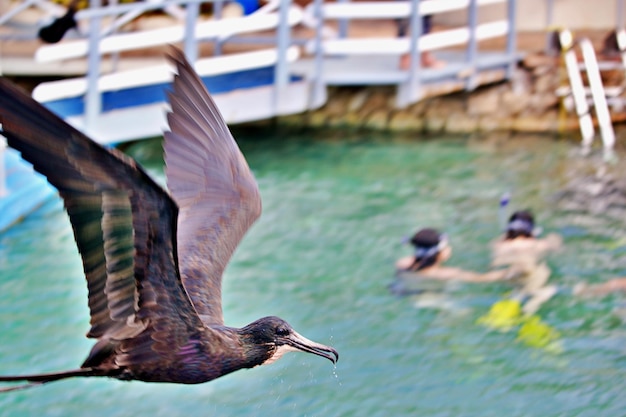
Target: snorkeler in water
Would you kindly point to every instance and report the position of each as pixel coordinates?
(430, 248)
(520, 243)
(431, 251)
(521, 248)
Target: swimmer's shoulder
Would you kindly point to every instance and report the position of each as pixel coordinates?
(553, 242)
(403, 264)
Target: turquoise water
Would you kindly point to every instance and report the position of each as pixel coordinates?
(336, 207)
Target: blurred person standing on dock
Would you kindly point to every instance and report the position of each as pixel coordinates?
(427, 60)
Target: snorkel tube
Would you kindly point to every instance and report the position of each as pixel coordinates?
(502, 211)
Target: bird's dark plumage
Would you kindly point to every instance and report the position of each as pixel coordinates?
(153, 260)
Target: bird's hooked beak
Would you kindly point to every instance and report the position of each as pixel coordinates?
(301, 343)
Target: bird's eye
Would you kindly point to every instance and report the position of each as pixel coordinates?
(282, 331)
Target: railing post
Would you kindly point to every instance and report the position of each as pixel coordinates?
(318, 84)
(218, 8)
(511, 40)
(281, 71)
(549, 20)
(93, 98)
(343, 24)
(283, 41)
(472, 45)
(412, 86)
(192, 10)
(3, 177)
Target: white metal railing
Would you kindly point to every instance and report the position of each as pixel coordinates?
(395, 9)
(156, 37)
(278, 15)
(428, 42)
(413, 10)
(42, 4)
(160, 74)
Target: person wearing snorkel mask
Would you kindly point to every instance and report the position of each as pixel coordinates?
(521, 248)
(520, 242)
(431, 251)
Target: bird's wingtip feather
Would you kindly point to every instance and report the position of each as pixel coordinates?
(176, 56)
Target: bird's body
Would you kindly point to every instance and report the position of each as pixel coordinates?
(154, 259)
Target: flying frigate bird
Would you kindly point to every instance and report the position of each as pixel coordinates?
(154, 260)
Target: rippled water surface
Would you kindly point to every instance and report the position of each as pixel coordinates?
(336, 207)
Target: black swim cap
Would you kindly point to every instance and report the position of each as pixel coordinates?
(521, 223)
(426, 238)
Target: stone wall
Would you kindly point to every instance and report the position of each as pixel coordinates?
(527, 103)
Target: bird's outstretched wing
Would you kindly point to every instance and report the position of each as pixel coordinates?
(216, 193)
(124, 225)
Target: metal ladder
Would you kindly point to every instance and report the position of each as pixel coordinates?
(580, 93)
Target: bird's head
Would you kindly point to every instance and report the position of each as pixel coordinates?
(267, 339)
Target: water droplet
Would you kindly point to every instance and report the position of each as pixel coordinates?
(336, 375)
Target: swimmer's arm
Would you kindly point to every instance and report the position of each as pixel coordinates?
(553, 242)
(600, 290)
(405, 264)
(457, 274)
(492, 276)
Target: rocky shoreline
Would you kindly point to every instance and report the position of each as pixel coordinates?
(528, 103)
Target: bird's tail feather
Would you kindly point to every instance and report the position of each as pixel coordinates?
(20, 387)
(40, 379)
